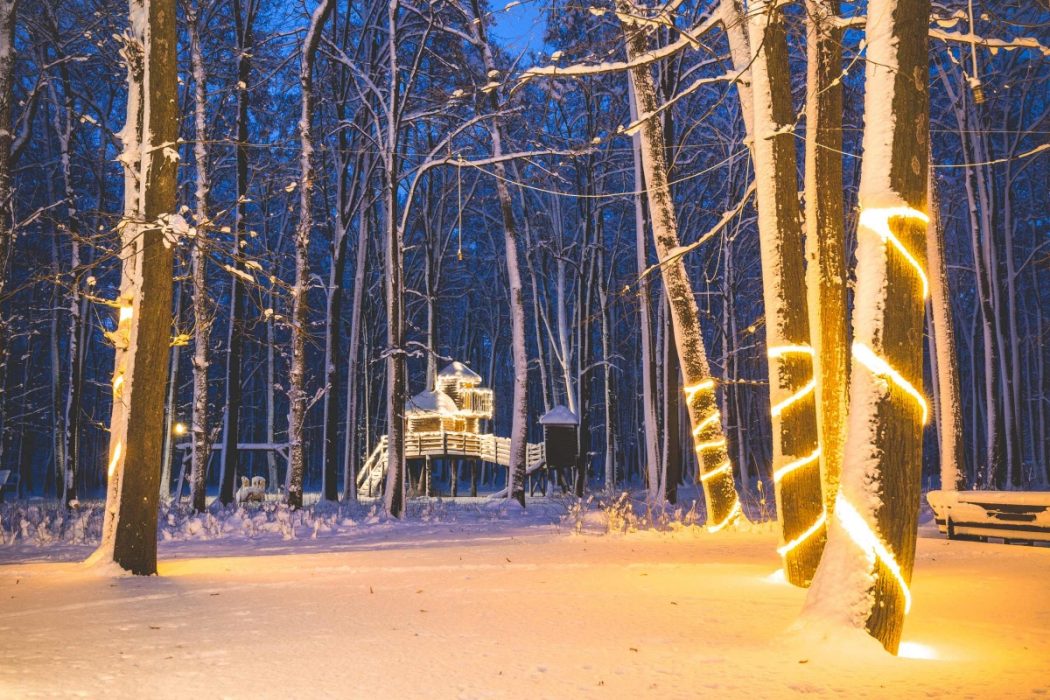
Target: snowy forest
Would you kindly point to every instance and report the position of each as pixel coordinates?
(736, 263)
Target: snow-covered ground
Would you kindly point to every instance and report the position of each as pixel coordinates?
(477, 601)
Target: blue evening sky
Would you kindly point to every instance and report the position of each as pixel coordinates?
(521, 27)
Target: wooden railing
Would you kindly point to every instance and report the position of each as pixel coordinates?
(488, 448)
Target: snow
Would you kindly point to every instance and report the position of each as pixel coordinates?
(431, 402)
(559, 415)
(419, 609)
(459, 371)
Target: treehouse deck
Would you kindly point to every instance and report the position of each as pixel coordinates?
(440, 444)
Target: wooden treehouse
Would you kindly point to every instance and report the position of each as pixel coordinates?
(447, 422)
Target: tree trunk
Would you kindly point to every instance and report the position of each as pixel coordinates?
(866, 569)
(716, 470)
(200, 431)
(297, 370)
(825, 244)
(244, 22)
(142, 338)
(949, 415)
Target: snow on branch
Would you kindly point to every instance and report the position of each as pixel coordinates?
(1024, 42)
(680, 251)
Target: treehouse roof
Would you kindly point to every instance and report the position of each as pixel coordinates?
(458, 370)
(436, 403)
(559, 415)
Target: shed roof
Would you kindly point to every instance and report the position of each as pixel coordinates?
(559, 415)
(458, 370)
(432, 402)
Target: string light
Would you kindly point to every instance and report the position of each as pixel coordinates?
(877, 220)
(706, 423)
(810, 531)
(692, 391)
(125, 314)
(723, 468)
(879, 367)
(802, 393)
(864, 537)
(778, 352)
(733, 513)
(113, 462)
(180, 428)
(797, 464)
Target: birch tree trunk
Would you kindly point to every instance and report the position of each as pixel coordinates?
(947, 375)
(825, 239)
(864, 575)
(297, 369)
(520, 400)
(200, 432)
(651, 433)
(716, 470)
(142, 337)
(352, 450)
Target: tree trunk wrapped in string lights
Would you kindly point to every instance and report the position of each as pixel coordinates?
(864, 577)
(796, 444)
(143, 334)
(716, 469)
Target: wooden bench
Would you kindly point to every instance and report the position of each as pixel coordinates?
(1021, 517)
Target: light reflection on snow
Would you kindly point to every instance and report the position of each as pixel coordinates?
(914, 650)
(777, 576)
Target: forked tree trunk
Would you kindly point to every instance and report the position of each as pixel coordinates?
(864, 576)
(716, 470)
(297, 369)
(142, 337)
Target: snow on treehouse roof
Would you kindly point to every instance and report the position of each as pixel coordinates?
(434, 402)
(559, 415)
(458, 370)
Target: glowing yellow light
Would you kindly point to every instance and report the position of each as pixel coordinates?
(797, 464)
(723, 468)
(914, 650)
(113, 462)
(880, 367)
(733, 512)
(180, 428)
(810, 531)
(692, 391)
(125, 313)
(864, 537)
(777, 409)
(877, 220)
(118, 381)
(710, 445)
(781, 350)
(706, 423)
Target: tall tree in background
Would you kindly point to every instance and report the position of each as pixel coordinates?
(297, 371)
(519, 408)
(796, 445)
(864, 576)
(200, 430)
(716, 470)
(142, 337)
(244, 28)
(825, 240)
(8, 13)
